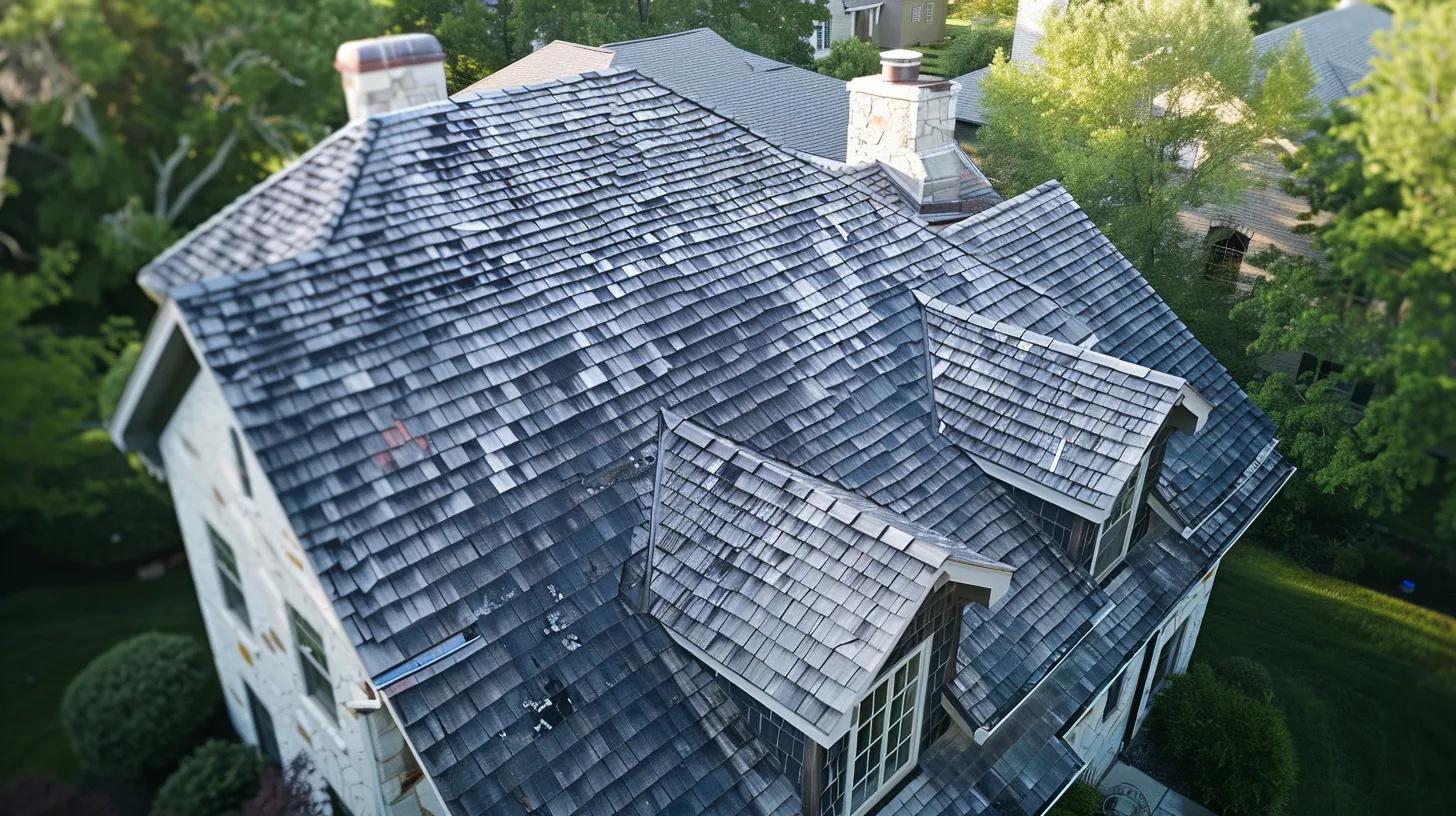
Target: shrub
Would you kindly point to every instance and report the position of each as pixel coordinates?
(139, 706)
(217, 778)
(849, 59)
(976, 47)
(1235, 750)
(1248, 676)
(1347, 562)
(47, 797)
(1080, 799)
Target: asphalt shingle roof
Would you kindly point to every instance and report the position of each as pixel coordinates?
(791, 106)
(1337, 43)
(454, 395)
(1074, 421)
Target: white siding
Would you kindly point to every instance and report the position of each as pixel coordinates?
(274, 571)
(1097, 741)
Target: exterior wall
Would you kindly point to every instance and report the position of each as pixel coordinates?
(1098, 741)
(261, 655)
(841, 27)
(911, 22)
(1264, 212)
(1030, 25)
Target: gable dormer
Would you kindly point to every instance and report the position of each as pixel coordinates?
(1079, 435)
(833, 619)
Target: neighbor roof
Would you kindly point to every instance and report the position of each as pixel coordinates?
(455, 393)
(553, 60)
(791, 106)
(1065, 422)
(1338, 43)
(796, 588)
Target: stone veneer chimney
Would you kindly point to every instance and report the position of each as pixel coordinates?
(386, 74)
(908, 124)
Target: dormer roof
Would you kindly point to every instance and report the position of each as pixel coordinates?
(1061, 421)
(791, 587)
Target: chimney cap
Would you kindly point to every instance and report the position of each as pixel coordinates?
(900, 65)
(393, 51)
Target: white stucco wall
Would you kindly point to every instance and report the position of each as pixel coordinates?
(197, 456)
(1096, 740)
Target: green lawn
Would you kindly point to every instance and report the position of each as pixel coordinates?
(1368, 683)
(933, 53)
(47, 635)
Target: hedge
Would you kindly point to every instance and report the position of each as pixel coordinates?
(217, 778)
(137, 708)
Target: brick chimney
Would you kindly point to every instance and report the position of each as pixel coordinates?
(907, 124)
(386, 74)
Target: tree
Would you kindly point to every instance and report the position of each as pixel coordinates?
(218, 778)
(126, 122)
(1380, 302)
(850, 58)
(137, 708)
(476, 37)
(1127, 95)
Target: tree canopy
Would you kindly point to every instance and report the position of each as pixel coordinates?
(1381, 303)
(1142, 109)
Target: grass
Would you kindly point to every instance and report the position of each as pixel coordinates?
(1367, 681)
(933, 54)
(47, 635)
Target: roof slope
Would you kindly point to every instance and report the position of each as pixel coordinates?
(798, 588)
(449, 400)
(793, 107)
(1070, 419)
(290, 212)
(1337, 42)
(1045, 239)
(553, 60)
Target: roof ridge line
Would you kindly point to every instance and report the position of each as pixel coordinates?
(667, 36)
(1023, 334)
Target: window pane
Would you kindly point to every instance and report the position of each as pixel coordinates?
(228, 577)
(884, 734)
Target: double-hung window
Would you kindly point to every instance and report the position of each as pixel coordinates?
(228, 576)
(914, 14)
(313, 661)
(821, 35)
(1116, 533)
(885, 739)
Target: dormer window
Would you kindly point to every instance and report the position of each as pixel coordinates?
(885, 739)
(829, 616)
(1115, 536)
(1077, 434)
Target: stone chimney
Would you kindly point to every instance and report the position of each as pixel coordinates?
(907, 124)
(386, 74)
(1031, 16)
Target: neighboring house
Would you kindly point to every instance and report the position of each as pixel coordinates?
(1339, 49)
(889, 24)
(574, 449)
(797, 108)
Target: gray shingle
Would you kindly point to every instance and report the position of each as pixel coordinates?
(1070, 419)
